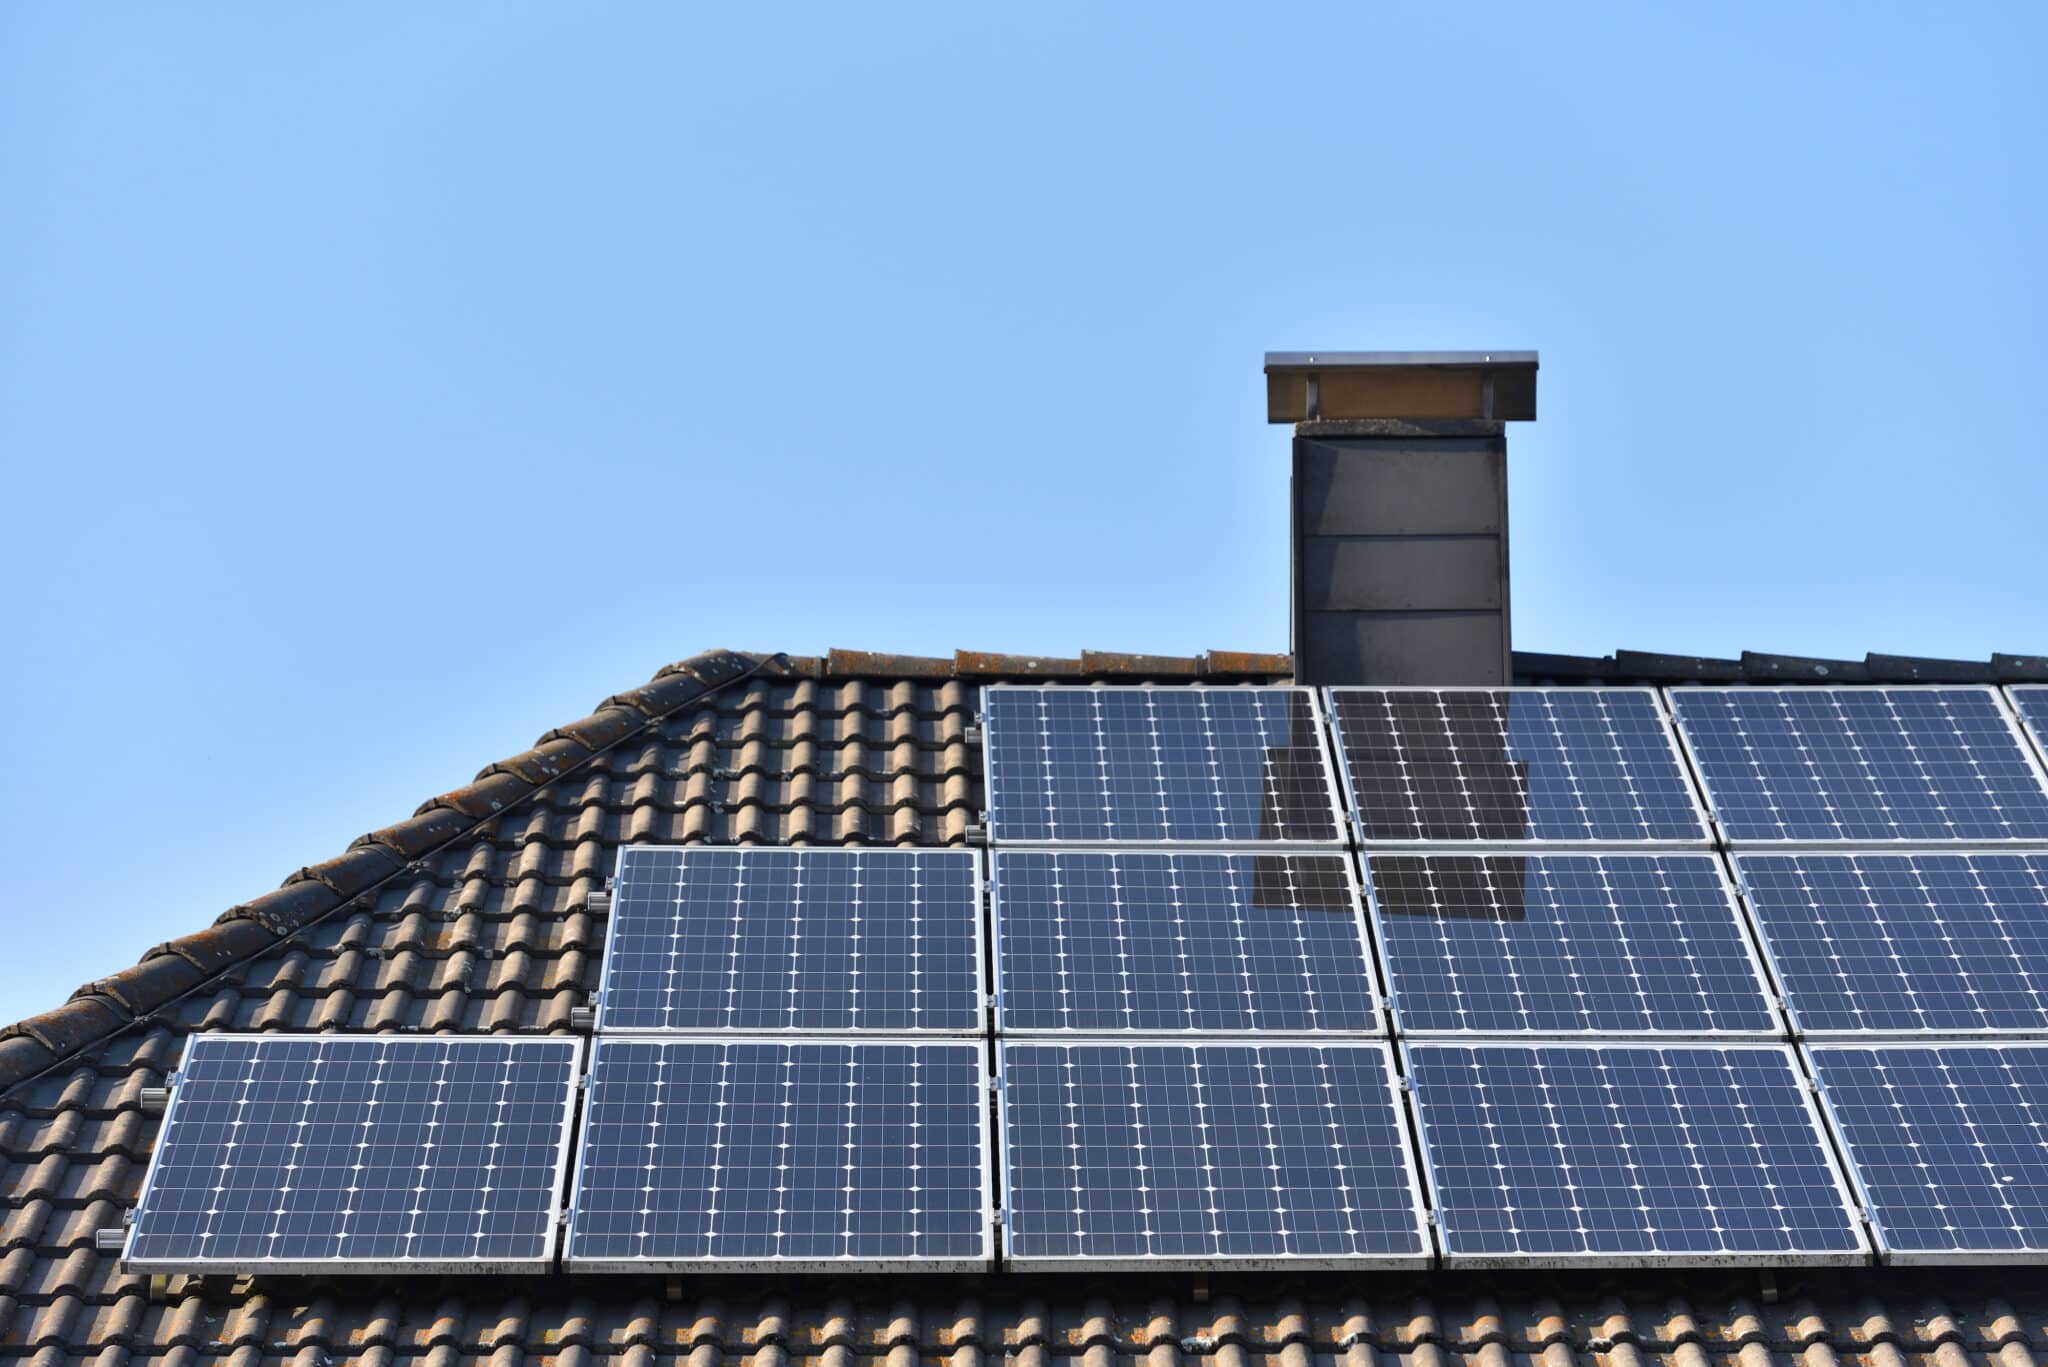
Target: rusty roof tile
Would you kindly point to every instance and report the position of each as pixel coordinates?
(869, 664)
(148, 985)
(216, 947)
(348, 874)
(287, 909)
(1108, 664)
(1247, 664)
(978, 664)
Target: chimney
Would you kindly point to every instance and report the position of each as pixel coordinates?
(1400, 511)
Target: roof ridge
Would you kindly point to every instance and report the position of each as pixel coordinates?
(103, 1008)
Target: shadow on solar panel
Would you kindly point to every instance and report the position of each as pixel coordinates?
(1561, 767)
(1164, 942)
(1148, 766)
(1560, 944)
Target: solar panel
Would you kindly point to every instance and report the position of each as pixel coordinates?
(336, 1153)
(1904, 943)
(757, 940)
(1160, 1155)
(1155, 941)
(792, 1155)
(1557, 765)
(1627, 1155)
(1157, 765)
(1948, 1145)
(1558, 944)
(1870, 765)
(2030, 701)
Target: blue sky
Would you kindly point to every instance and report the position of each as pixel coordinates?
(382, 387)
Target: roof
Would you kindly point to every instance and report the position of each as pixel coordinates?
(472, 916)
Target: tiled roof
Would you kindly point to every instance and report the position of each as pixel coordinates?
(471, 916)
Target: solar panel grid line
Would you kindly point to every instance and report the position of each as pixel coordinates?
(1264, 777)
(1075, 928)
(1930, 944)
(1979, 1154)
(1711, 982)
(1833, 1223)
(1868, 766)
(1564, 769)
(881, 1249)
(147, 1251)
(722, 931)
(1402, 1216)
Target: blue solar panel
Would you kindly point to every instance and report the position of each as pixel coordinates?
(1151, 765)
(333, 1153)
(1949, 1145)
(1621, 1155)
(2031, 702)
(1156, 941)
(794, 1155)
(1563, 765)
(1554, 944)
(1903, 943)
(779, 939)
(1862, 764)
(1159, 1155)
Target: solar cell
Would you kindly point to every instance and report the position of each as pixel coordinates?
(1559, 944)
(1948, 1145)
(1556, 765)
(1163, 942)
(758, 940)
(1157, 765)
(329, 1153)
(795, 1155)
(1623, 1155)
(1136, 1155)
(1862, 765)
(1905, 943)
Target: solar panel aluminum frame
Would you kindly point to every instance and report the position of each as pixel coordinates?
(1838, 1135)
(1704, 841)
(407, 1266)
(1705, 787)
(1801, 1032)
(1376, 982)
(1859, 1256)
(842, 1264)
(981, 967)
(1340, 821)
(1397, 1089)
(1736, 910)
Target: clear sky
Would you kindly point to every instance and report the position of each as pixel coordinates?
(383, 386)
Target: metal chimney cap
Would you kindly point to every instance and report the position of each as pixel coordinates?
(1488, 386)
(1353, 360)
